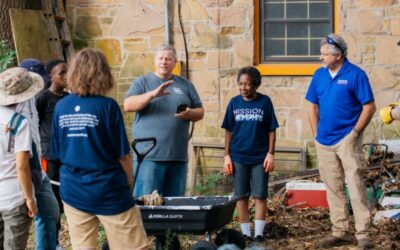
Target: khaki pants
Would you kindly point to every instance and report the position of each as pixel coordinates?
(124, 231)
(14, 228)
(337, 163)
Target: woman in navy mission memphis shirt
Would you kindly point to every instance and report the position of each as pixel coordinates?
(250, 125)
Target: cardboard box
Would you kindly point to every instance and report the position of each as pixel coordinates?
(306, 194)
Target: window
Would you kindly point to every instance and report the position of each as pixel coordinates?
(288, 34)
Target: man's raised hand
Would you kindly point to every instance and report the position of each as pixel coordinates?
(161, 90)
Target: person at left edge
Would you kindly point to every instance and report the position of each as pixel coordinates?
(17, 194)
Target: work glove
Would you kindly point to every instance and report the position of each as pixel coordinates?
(153, 199)
(385, 115)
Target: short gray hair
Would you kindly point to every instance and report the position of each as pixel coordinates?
(338, 46)
(167, 47)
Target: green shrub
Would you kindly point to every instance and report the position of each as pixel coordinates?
(7, 56)
(210, 183)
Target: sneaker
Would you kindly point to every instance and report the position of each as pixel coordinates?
(259, 239)
(247, 239)
(259, 243)
(332, 241)
(364, 244)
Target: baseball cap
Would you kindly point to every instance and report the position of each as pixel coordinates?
(36, 66)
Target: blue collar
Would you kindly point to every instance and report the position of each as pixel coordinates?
(345, 67)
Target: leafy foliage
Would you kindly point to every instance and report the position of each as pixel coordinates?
(210, 184)
(7, 56)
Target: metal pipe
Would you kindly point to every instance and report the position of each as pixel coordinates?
(166, 16)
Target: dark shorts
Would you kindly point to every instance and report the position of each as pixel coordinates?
(250, 179)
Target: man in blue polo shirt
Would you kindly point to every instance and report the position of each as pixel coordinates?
(341, 106)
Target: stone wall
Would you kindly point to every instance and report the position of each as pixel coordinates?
(372, 30)
(220, 40)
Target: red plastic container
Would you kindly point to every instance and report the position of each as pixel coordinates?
(306, 194)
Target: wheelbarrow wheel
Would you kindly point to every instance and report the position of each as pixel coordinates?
(230, 236)
(163, 244)
(204, 245)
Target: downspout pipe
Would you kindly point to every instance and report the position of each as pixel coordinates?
(167, 28)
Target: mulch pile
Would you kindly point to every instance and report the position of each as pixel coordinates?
(300, 228)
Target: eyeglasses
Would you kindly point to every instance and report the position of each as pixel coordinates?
(332, 41)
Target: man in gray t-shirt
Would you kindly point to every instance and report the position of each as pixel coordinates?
(155, 98)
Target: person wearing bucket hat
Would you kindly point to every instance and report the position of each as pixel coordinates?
(17, 201)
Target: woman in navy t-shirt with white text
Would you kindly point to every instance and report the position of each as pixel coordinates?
(89, 139)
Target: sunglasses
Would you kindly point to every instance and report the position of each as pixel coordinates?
(332, 41)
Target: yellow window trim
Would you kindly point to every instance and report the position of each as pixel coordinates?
(286, 69)
(178, 68)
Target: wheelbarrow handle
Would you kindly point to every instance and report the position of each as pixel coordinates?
(141, 156)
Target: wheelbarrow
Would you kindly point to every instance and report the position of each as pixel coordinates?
(198, 215)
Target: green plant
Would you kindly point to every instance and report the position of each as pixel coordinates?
(7, 56)
(101, 235)
(209, 184)
(169, 239)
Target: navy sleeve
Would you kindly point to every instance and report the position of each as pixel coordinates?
(362, 88)
(312, 95)
(270, 118)
(229, 119)
(117, 128)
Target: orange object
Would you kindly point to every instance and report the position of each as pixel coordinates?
(44, 164)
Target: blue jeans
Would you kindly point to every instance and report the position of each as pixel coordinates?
(250, 179)
(168, 177)
(47, 217)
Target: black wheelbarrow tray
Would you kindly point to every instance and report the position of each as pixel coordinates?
(202, 215)
(196, 215)
(186, 215)
(182, 214)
